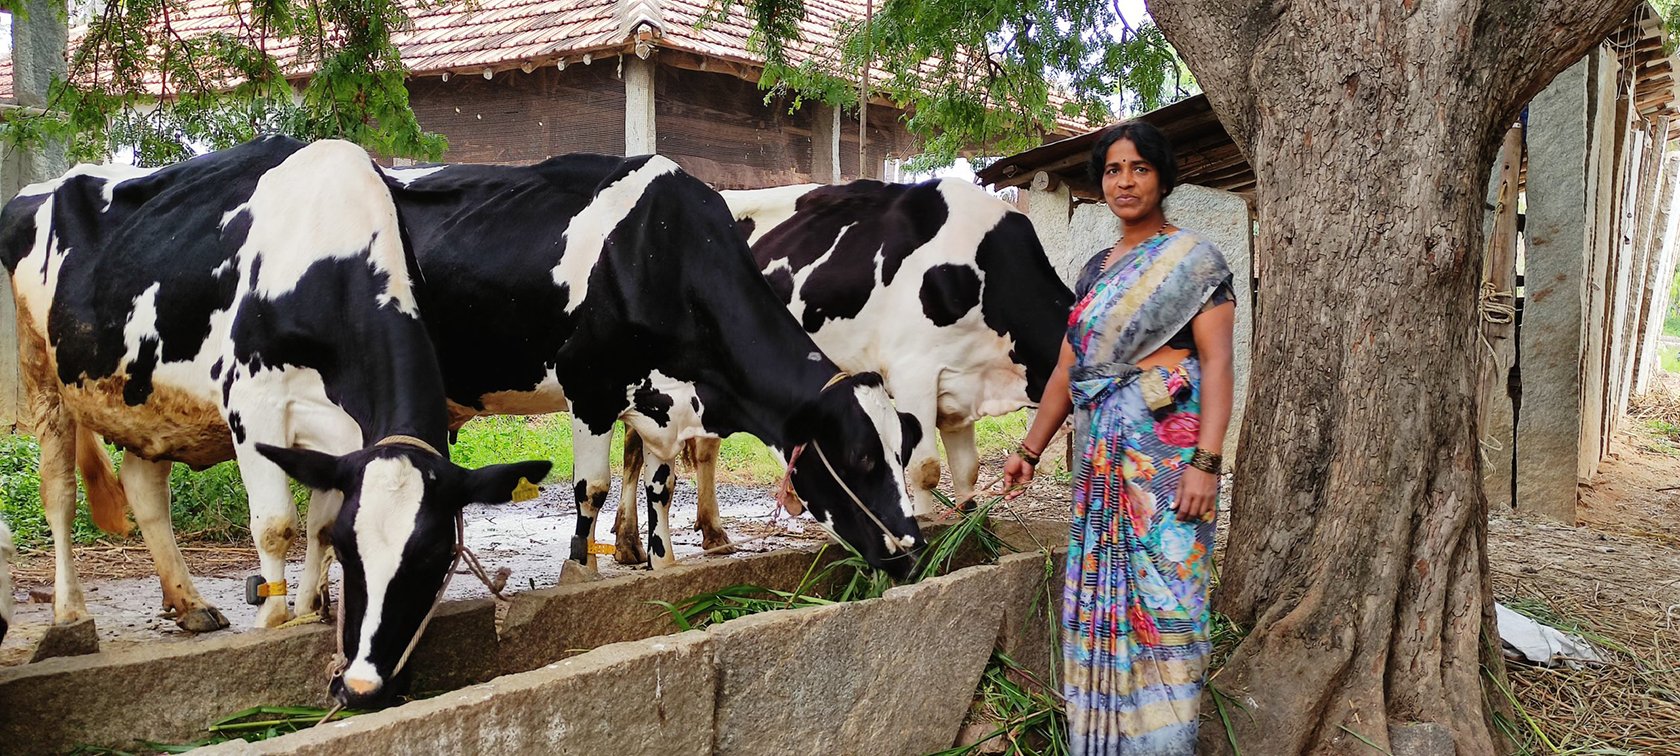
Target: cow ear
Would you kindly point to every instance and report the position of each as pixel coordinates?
(495, 484)
(315, 469)
(912, 436)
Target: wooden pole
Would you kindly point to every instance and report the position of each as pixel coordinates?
(1497, 305)
(863, 95)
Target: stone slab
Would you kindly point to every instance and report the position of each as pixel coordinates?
(1559, 233)
(646, 697)
(165, 693)
(459, 647)
(546, 625)
(1031, 598)
(882, 677)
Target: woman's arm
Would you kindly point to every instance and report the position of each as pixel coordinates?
(1053, 410)
(1198, 490)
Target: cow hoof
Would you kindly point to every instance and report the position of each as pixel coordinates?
(630, 552)
(273, 613)
(205, 619)
(717, 543)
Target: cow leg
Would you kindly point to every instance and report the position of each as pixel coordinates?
(312, 587)
(147, 485)
(703, 453)
(591, 480)
(662, 480)
(58, 496)
(922, 472)
(56, 431)
(273, 522)
(963, 456)
(625, 529)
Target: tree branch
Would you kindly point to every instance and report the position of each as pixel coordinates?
(1218, 39)
(1517, 37)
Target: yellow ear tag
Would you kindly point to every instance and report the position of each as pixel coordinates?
(525, 491)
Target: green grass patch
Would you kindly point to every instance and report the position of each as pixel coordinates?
(1670, 357)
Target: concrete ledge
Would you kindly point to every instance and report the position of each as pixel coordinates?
(167, 693)
(547, 625)
(652, 696)
(459, 647)
(1031, 600)
(888, 676)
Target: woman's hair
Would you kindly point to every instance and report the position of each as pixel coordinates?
(1151, 145)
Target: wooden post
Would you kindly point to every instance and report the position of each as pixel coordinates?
(863, 97)
(825, 145)
(1495, 422)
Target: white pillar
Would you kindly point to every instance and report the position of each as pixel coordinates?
(639, 136)
(825, 145)
(38, 45)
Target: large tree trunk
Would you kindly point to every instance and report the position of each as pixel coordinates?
(1358, 552)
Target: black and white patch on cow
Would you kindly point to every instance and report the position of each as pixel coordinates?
(8, 557)
(266, 287)
(939, 286)
(619, 288)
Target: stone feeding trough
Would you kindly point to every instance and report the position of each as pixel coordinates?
(594, 667)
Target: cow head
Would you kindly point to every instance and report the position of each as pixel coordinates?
(856, 444)
(395, 537)
(7, 556)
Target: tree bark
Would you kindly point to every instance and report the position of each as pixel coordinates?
(1358, 545)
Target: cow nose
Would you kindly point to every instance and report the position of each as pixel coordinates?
(361, 687)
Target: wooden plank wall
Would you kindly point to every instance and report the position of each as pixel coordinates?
(719, 128)
(519, 117)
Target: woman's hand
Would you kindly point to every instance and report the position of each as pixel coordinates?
(1017, 473)
(1198, 494)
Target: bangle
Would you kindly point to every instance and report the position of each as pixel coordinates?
(1027, 454)
(1206, 461)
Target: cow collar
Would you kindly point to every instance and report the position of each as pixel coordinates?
(407, 441)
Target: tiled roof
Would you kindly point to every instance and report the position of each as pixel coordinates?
(475, 35)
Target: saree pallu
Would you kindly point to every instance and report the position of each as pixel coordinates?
(1135, 603)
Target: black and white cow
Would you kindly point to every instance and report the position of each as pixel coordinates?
(618, 288)
(233, 306)
(939, 286)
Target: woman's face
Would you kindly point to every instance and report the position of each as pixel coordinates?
(1131, 187)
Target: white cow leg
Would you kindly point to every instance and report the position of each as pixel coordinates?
(704, 453)
(964, 458)
(591, 480)
(58, 497)
(661, 481)
(317, 532)
(147, 485)
(273, 526)
(625, 529)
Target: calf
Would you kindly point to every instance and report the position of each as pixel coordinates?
(618, 288)
(939, 286)
(229, 307)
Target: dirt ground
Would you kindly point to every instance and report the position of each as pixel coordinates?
(1614, 575)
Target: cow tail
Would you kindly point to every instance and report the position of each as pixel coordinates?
(106, 499)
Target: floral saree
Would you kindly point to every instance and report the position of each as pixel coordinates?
(1135, 602)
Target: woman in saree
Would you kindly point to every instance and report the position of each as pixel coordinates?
(1146, 374)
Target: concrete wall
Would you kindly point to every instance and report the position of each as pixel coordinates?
(1071, 234)
(885, 677)
(854, 678)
